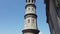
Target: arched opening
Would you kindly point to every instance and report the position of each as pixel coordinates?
(28, 1)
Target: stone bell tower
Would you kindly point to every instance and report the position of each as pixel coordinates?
(30, 25)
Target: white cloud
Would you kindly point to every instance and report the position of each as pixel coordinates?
(40, 32)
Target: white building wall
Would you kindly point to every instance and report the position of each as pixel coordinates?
(28, 33)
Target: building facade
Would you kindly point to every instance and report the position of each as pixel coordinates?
(30, 25)
(53, 15)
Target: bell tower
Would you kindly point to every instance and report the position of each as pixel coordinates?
(30, 25)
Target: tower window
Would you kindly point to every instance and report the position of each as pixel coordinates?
(32, 1)
(32, 20)
(28, 20)
(29, 1)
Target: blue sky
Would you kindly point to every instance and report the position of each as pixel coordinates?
(12, 16)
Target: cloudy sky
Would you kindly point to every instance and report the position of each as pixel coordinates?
(12, 16)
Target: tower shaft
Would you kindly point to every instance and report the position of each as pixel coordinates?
(30, 25)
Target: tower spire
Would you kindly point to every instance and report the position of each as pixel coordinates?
(30, 26)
